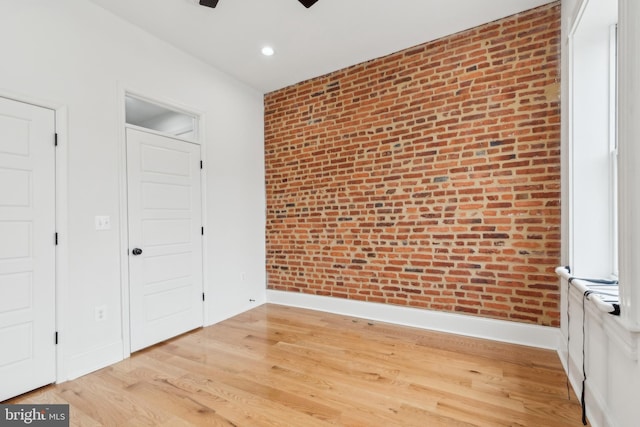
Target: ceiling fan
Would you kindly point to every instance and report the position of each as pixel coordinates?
(214, 3)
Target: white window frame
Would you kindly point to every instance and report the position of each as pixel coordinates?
(613, 145)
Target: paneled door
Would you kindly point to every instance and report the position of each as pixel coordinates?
(165, 241)
(27, 248)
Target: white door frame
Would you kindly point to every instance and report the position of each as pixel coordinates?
(199, 139)
(61, 217)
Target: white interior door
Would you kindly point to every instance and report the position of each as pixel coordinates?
(165, 241)
(27, 247)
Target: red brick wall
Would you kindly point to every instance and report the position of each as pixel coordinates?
(428, 178)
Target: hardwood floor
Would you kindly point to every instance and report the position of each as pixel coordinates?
(281, 366)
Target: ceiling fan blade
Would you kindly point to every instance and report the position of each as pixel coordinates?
(210, 3)
(214, 3)
(308, 3)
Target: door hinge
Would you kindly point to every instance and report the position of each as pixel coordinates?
(202, 230)
(56, 337)
(201, 164)
(203, 296)
(55, 139)
(56, 238)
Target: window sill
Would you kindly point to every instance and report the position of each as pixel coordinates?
(626, 336)
(603, 294)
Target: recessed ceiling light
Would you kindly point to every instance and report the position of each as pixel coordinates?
(268, 51)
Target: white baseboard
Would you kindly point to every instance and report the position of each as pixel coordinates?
(92, 360)
(479, 327)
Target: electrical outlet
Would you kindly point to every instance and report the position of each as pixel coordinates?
(101, 313)
(103, 222)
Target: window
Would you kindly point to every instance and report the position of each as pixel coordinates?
(593, 208)
(159, 118)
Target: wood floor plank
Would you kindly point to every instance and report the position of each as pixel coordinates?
(284, 366)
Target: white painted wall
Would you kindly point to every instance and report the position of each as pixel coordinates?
(73, 54)
(611, 344)
(629, 155)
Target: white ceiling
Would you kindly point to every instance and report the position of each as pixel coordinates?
(331, 35)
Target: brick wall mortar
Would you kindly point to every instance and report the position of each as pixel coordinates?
(428, 178)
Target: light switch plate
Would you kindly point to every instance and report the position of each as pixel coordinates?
(103, 222)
